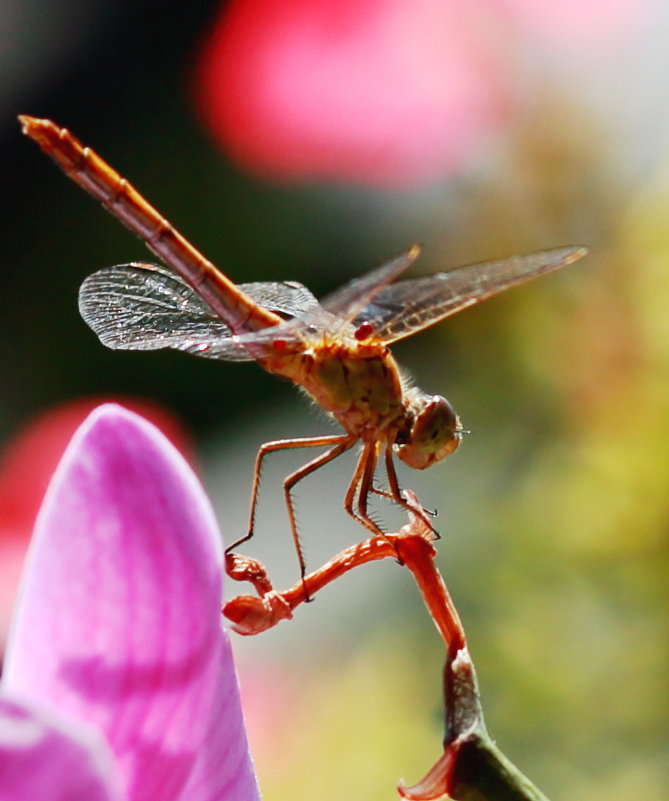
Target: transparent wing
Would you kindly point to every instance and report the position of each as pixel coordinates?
(409, 306)
(338, 310)
(147, 307)
(347, 301)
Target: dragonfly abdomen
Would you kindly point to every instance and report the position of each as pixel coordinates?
(121, 199)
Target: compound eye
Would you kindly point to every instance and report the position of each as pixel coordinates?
(435, 433)
(441, 412)
(436, 423)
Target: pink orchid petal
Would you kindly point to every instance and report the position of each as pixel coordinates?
(47, 760)
(388, 92)
(119, 620)
(26, 465)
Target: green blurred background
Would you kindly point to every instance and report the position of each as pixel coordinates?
(555, 512)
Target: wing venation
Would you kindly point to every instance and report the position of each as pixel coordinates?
(148, 307)
(409, 306)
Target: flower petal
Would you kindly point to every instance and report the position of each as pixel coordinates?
(119, 621)
(26, 466)
(46, 760)
(387, 92)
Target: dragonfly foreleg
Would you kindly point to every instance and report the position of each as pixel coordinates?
(397, 495)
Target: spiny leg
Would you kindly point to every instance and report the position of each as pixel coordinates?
(393, 481)
(344, 443)
(367, 481)
(397, 495)
(270, 447)
(360, 485)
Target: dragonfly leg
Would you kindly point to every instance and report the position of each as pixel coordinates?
(343, 443)
(271, 447)
(398, 496)
(366, 482)
(360, 487)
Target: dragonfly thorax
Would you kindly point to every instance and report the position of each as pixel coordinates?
(433, 430)
(358, 383)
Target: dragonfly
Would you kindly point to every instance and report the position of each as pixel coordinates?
(336, 349)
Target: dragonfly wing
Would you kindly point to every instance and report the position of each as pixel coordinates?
(148, 307)
(288, 299)
(346, 303)
(409, 306)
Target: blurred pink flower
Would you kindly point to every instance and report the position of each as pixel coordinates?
(384, 92)
(117, 665)
(387, 92)
(26, 467)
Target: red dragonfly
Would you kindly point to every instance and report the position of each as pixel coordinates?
(335, 349)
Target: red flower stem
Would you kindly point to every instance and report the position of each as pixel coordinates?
(251, 614)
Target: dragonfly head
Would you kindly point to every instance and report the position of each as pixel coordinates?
(434, 431)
